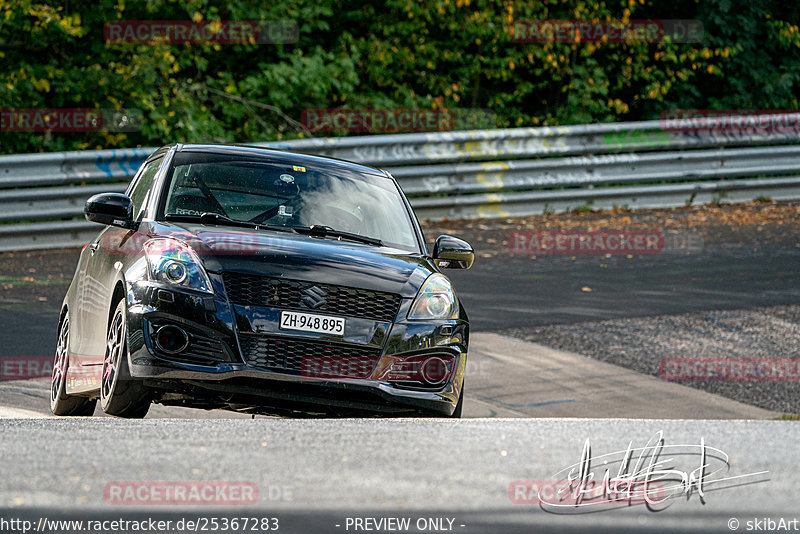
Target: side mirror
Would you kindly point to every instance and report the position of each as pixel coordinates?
(114, 209)
(449, 251)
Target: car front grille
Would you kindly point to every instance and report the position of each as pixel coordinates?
(316, 359)
(206, 349)
(253, 290)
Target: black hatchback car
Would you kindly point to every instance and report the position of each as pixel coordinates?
(261, 281)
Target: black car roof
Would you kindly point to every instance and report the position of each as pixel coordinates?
(282, 156)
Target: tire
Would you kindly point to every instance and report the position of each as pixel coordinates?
(120, 395)
(459, 406)
(60, 402)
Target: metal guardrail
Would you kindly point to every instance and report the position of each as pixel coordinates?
(469, 174)
(402, 149)
(42, 195)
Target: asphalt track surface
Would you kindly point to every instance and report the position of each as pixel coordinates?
(501, 292)
(507, 378)
(509, 292)
(556, 301)
(504, 293)
(526, 411)
(314, 475)
(520, 293)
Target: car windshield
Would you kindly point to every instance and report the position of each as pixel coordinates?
(274, 194)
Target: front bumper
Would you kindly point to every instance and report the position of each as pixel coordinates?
(234, 383)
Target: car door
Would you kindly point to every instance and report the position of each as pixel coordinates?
(104, 252)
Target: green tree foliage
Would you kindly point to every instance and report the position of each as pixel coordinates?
(406, 54)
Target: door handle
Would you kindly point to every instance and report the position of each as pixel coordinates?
(93, 246)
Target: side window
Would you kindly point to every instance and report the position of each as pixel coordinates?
(142, 186)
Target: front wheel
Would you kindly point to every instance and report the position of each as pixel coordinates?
(60, 402)
(120, 395)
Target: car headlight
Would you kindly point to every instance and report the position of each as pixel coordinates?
(435, 300)
(174, 263)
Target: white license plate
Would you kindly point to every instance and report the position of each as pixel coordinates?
(309, 322)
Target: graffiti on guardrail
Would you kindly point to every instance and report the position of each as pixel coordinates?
(515, 174)
(458, 174)
(127, 164)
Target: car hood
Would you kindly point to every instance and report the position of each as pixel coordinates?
(299, 257)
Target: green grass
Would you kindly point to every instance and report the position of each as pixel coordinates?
(583, 209)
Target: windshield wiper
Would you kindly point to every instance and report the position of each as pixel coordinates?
(320, 230)
(317, 230)
(222, 220)
(210, 218)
